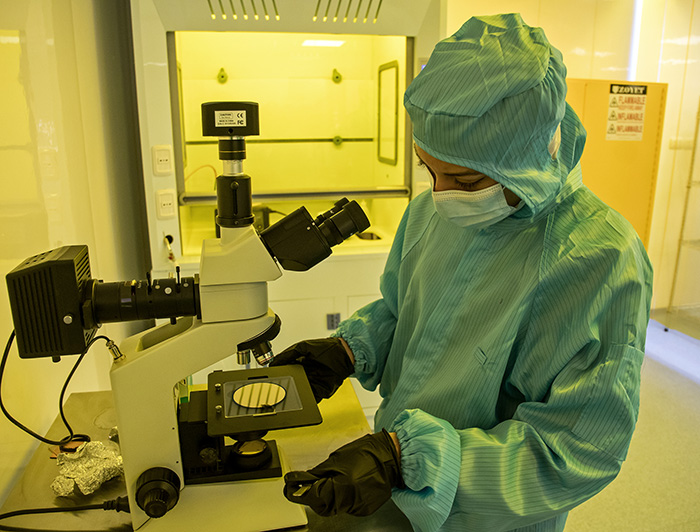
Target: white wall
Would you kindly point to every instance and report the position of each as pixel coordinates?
(672, 53)
(69, 175)
(599, 46)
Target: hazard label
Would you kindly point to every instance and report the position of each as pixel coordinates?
(626, 107)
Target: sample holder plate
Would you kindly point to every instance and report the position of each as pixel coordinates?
(228, 413)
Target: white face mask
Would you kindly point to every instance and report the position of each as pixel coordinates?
(473, 209)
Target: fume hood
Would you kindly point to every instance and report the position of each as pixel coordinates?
(329, 77)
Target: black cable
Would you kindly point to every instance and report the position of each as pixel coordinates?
(32, 511)
(120, 504)
(72, 436)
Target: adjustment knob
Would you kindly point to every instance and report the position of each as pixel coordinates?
(157, 491)
(155, 502)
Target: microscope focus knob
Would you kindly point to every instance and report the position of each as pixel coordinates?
(155, 503)
(157, 491)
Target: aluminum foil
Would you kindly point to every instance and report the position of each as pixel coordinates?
(90, 466)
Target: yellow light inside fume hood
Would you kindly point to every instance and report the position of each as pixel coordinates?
(223, 12)
(330, 44)
(337, 10)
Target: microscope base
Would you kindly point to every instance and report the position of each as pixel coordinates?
(246, 506)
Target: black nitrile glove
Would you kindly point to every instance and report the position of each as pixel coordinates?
(325, 362)
(355, 479)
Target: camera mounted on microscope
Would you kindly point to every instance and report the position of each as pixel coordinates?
(297, 241)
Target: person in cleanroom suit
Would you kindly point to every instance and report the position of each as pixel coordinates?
(508, 341)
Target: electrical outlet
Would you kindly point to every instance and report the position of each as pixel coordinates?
(162, 156)
(166, 204)
(332, 321)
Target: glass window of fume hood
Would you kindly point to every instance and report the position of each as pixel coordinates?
(332, 124)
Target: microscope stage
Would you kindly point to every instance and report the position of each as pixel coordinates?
(259, 399)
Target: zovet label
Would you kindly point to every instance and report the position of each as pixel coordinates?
(626, 107)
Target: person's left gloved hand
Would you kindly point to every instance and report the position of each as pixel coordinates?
(325, 361)
(356, 479)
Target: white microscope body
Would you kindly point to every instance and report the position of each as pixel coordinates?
(234, 272)
(233, 292)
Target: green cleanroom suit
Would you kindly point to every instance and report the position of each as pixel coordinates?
(508, 357)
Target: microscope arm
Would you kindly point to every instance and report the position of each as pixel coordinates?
(142, 385)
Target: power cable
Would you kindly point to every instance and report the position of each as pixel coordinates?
(72, 436)
(120, 504)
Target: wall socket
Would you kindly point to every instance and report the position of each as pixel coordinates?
(332, 321)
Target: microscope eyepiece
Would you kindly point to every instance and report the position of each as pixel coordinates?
(299, 242)
(343, 222)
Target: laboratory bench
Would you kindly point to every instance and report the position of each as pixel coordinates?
(93, 413)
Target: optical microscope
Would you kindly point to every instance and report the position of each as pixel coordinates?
(181, 470)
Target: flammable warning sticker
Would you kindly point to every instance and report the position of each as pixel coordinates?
(626, 107)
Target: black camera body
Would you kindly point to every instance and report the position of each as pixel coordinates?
(45, 293)
(57, 306)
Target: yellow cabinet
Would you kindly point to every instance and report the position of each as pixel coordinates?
(624, 121)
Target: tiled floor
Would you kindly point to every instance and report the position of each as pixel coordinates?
(674, 349)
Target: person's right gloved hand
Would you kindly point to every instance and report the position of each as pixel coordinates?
(356, 479)
(325, 362)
